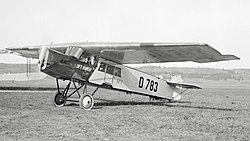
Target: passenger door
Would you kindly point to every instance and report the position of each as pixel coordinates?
(109, 75)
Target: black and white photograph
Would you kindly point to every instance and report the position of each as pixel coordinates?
(124, 70)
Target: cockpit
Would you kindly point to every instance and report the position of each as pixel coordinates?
(74, 51)
(80, 55)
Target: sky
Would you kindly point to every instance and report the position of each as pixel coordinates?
(223, 24)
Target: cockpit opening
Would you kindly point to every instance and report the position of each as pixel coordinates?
(92, 60)
(74, 51)
(79, 54)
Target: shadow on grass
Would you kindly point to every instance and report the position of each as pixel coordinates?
(204, 107)
(105, 102)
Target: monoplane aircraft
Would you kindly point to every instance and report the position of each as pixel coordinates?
(101, 64)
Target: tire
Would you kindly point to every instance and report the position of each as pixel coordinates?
(59, 100)
(86, 102)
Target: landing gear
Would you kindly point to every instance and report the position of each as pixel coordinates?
(59, 99)
(86, 101)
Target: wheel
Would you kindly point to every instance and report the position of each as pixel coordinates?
(86, 102)
(59, 100)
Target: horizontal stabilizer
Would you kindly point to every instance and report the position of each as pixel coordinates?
(187, 86)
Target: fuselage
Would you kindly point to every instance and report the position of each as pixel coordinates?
(103, 73)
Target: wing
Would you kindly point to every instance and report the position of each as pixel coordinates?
(160, 53)
(28, 52)
(137, 53)
(32, 51)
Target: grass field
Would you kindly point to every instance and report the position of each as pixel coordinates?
(219, 113)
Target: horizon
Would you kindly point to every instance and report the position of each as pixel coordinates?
(222, 24)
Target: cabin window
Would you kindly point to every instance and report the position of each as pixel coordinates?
(102, 67)
(117, 72)
(110, 69)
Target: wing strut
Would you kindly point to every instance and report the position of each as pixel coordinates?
(28, 67)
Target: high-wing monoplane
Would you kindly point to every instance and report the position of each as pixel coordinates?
(101, 64)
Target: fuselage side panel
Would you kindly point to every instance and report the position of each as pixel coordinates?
(128, 79)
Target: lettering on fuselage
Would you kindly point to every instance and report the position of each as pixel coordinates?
(82, 67)
(148, 84)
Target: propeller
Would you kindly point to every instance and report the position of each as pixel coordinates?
(43, 53)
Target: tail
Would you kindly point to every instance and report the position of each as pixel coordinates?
(176, 96)
(179, 88)
(176, 90)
